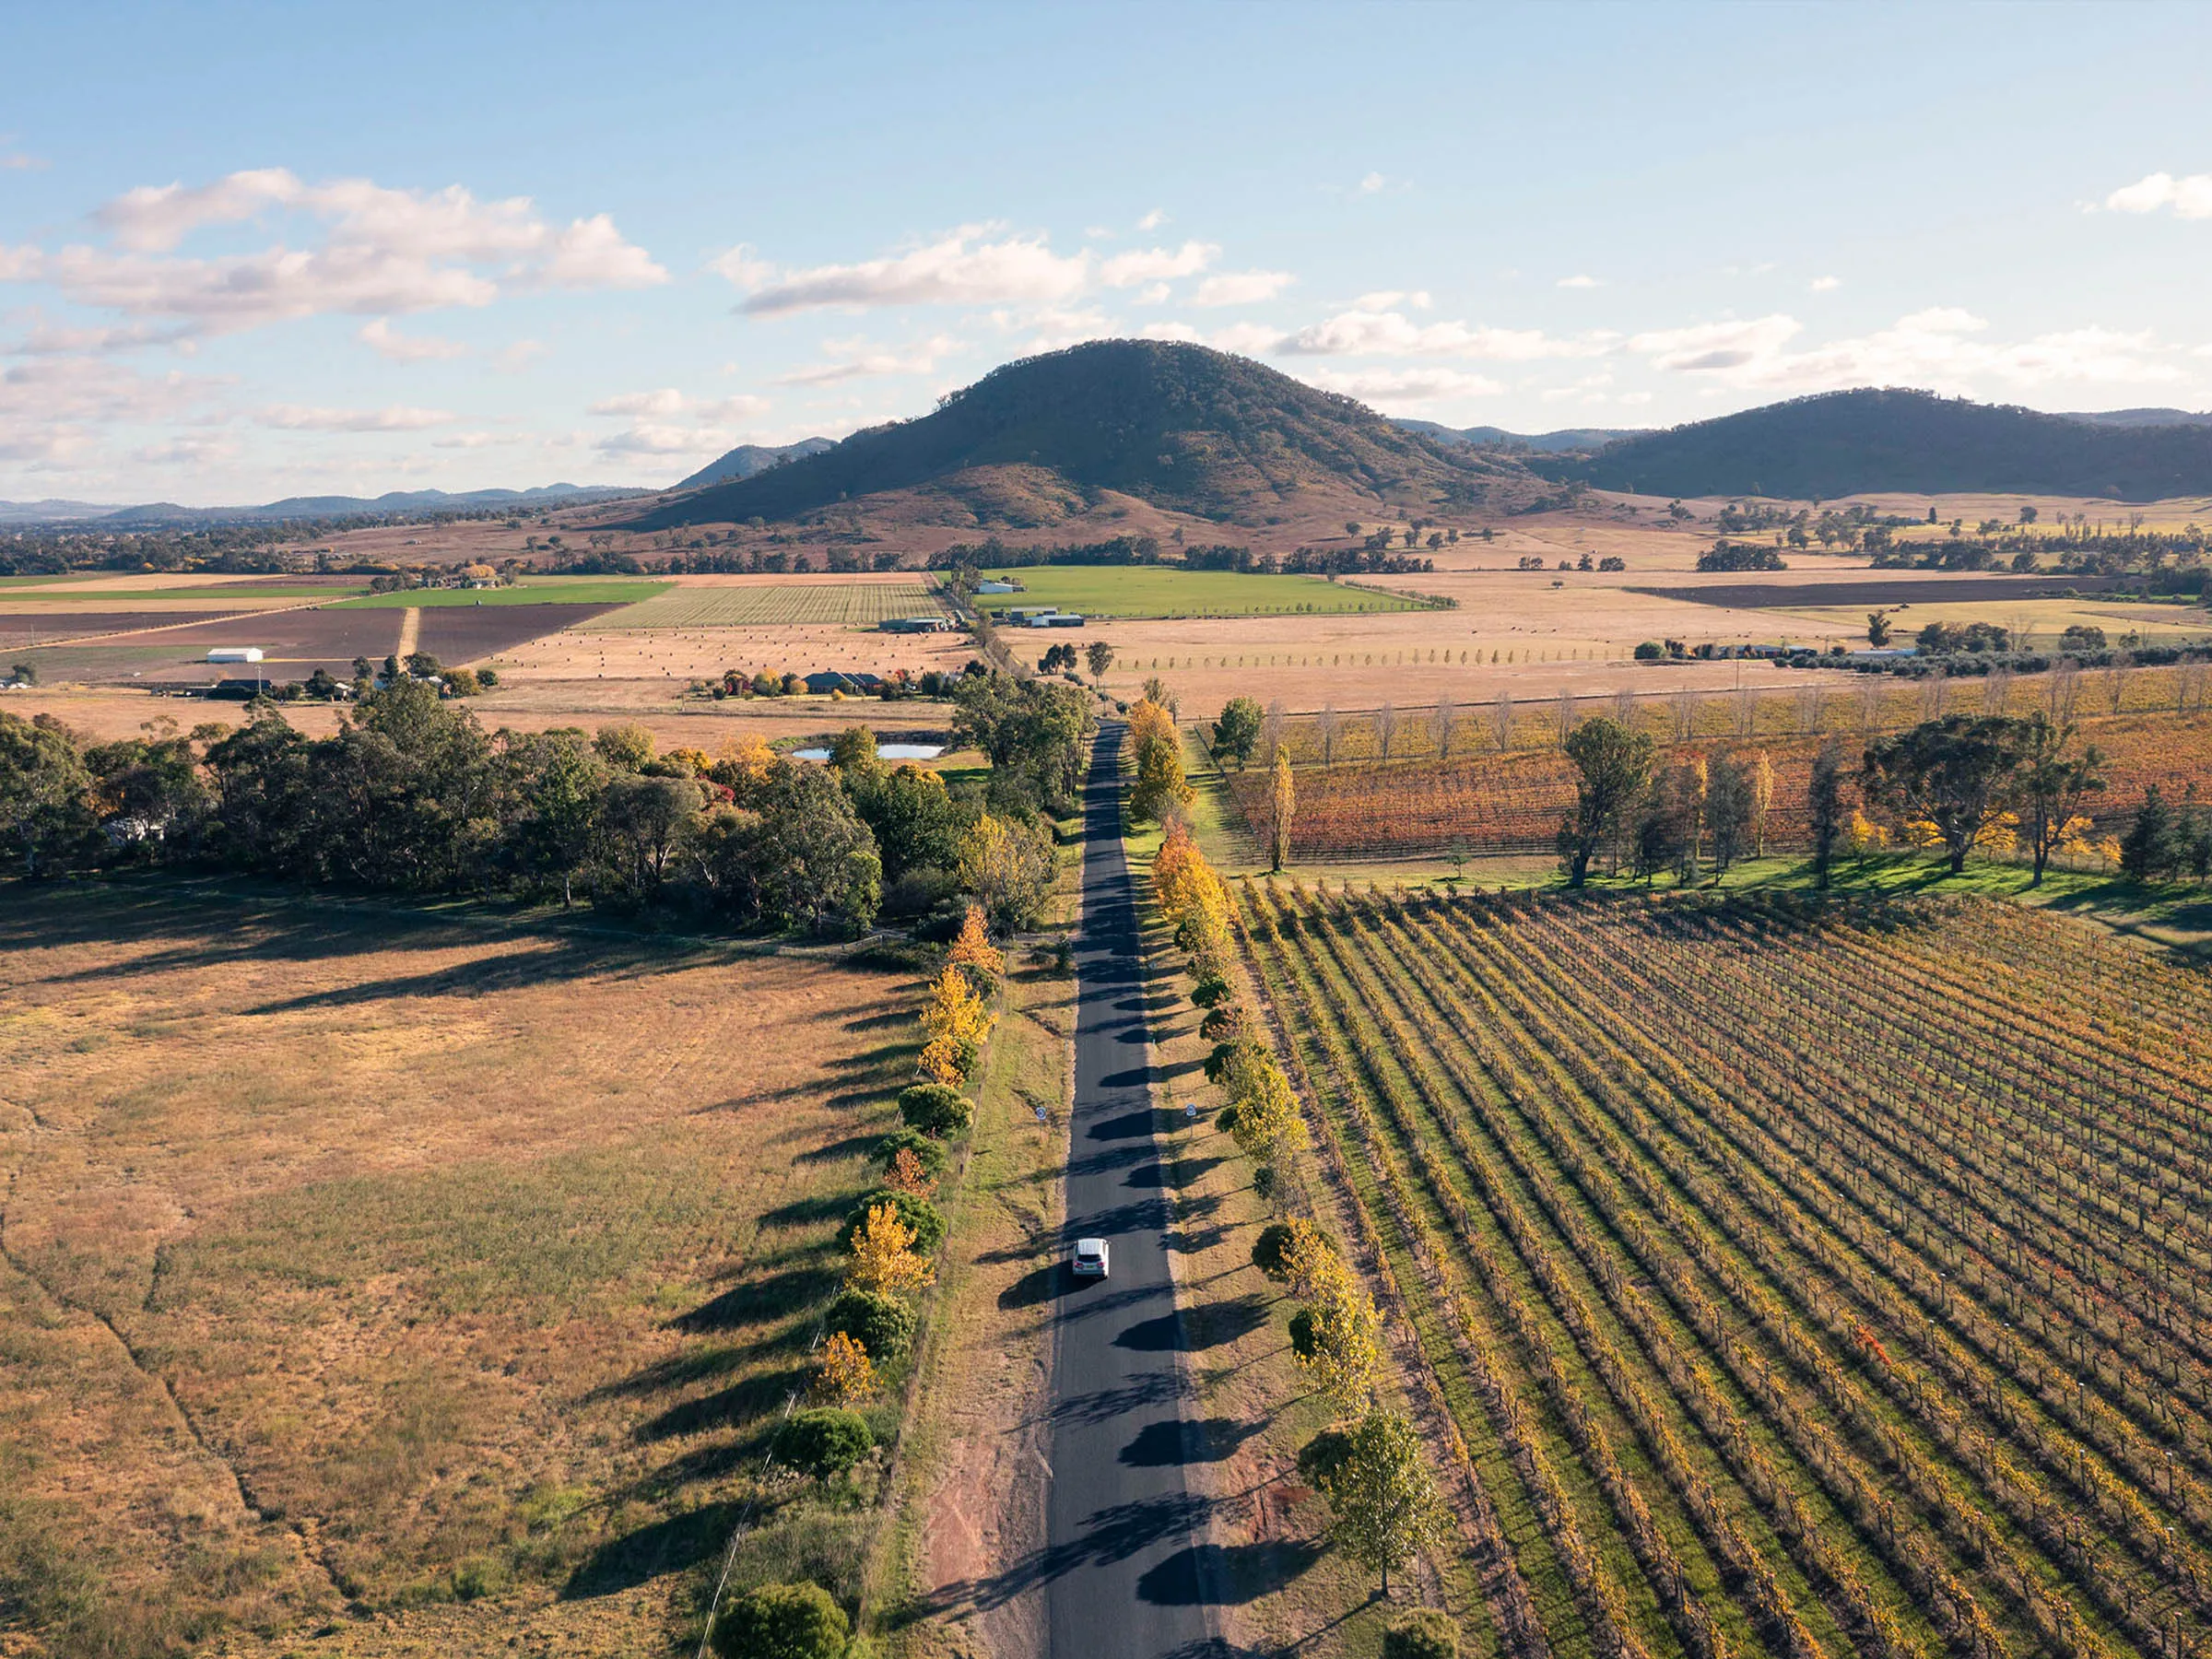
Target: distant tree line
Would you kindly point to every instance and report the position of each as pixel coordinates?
(411, 795)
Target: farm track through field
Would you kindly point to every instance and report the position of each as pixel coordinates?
(1867, 1371)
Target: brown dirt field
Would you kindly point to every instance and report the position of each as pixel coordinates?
(355, 1257)
(20, 630)
(461, 634)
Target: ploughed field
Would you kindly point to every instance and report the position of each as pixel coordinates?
(389, 1263)
(1800, 1280)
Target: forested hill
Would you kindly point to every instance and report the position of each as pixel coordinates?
(1843, 443)
(1176, 425)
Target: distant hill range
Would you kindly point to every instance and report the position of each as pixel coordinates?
(749, 458)
(1849, 443)
(1565, 441)
(1174, 425)
(399, 503)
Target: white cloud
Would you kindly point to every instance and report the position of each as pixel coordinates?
(1391, 388)
(188, 451)
(1155, 294)
(2190, 197)
(959, 269)
(398, 418)
(1391, 334)
(1391, 299)
(1152, 221)
(1157, 265)
(1374, 183)
(861, 359)
(378, 252)
(17, 161)
(468, 441)
(1938, 347)
(379, 336)
(1579, 281)
(1826, 284)
(668, 403)
(45, 340)
(653, 438)
(1241, 287)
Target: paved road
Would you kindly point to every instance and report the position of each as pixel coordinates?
(1124, 1575)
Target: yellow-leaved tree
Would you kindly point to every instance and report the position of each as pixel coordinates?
(842, 1371)
(973, 953)
(1282, 805)
(1267, 1118)
(957, 1022)
(1762, 799)
(1339, 1339)
(884, 1259)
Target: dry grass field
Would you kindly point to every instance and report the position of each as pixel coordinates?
(708, 601)
(359, 1266)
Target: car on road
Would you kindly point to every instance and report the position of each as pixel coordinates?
(1089, 1260)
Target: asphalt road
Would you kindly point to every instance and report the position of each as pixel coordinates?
(1125, 1570)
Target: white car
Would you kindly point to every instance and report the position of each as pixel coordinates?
(1089, 1260)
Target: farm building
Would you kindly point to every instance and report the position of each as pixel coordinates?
(234, 653)
(912, 625)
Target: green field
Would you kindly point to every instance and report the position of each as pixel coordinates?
(538, 589)
(827, 601)
(1132, 591)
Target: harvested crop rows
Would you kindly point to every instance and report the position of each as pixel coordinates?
(1803, 1281)
(799, 603)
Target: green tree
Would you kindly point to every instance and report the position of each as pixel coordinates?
(628, 746)
(1612, 765)
(1955, 772)
(641, 824)
(853, 751)
(1160, 786)
(916, 823)
(1730, 806)
(1384, 1507)
(936, 1109)
(2052, 787)
(1238, 729)
(824, 1442)
(883, 1325)
(1824, 807)
(1009, 864)
(560, 780)
(1282, 802)
(817, 862)
(783, 1621)
(1878, 630)
(45, 811)
(1100, 656)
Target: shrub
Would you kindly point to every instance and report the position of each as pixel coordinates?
(824, 1442)
(1209, 990)
(931, 1153)
(1270, 1250)
(936, 1109)
(783, 1621)
(1304, 1341)
(882, 1324)
(1422, 1634)
(919, 1215)
(1651, 651)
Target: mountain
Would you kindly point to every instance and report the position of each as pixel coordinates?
(49, 512)
(1848, 442)
(1174, 425)
(749, 458)
(2140, 418)
(394, 503)
(1566, 440)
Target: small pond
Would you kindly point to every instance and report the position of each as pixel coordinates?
(884, 751)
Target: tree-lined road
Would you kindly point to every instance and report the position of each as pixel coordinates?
(1124, 1580)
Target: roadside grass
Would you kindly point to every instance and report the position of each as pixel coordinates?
(1150, 591)
(381, 1261)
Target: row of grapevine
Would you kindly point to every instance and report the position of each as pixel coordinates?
(1857, 1316)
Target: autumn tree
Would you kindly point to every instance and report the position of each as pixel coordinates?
(842, 1371)
(1384, 1507)
(1283, 805)
(1339, 1339)
(1160, 786)
(1009, 864)
(883, 1256)
(1761, 774)
(973, 953)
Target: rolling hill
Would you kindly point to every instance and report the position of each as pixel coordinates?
(1565, 440)
(1176, 426)
(749, 458)
(1848, 442)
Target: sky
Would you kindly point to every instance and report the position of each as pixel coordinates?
(255, 251)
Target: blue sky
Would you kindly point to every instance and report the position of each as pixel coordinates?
(254, 251)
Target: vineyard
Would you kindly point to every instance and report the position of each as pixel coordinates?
(1799, 1281)
(798, 603)
(1511, 801)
